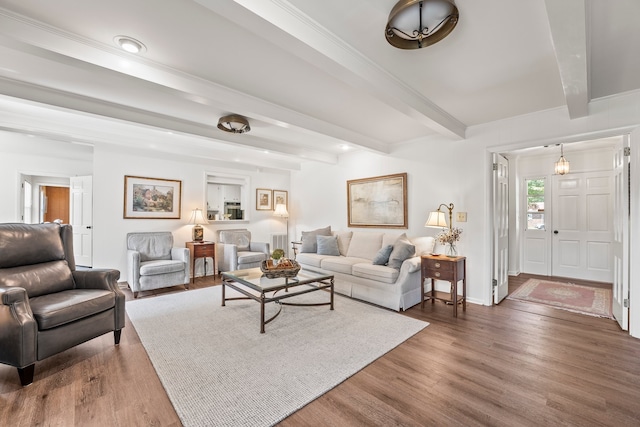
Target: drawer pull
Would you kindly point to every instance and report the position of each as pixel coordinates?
(437, 265)
(437, 274)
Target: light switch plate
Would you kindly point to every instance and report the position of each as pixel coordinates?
(461, 216)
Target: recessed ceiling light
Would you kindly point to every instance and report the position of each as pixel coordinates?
(129, 44)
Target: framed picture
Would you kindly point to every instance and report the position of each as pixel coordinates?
(263, 199)
(280, 197)
(379, 202)
(152, 198)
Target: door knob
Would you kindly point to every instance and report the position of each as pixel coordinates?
(555, 231)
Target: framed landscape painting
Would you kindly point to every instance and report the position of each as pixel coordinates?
(280, 197)
(263, 199)
(152, 198)
(379, 202)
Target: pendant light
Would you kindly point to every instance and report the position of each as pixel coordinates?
(562, 165)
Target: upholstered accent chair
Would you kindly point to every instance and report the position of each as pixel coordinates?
(154, 263)
(46, 305)
(236, 251)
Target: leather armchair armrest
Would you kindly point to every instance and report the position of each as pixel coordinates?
(18, 328)
(260, 247)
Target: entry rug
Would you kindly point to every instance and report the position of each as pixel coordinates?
(567, 296)
(218, 370)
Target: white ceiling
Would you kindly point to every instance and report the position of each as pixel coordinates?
(311, 76)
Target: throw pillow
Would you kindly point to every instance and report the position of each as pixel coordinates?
(328, 245)
(309, 241)
(382, 257)
(401, 251)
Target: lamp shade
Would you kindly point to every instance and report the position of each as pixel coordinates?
(436, 219)
(281, 210)
(197, 217)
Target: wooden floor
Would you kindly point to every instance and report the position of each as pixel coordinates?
(515, 364)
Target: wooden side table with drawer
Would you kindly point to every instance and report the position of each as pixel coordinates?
(201, 250)
(451, 269)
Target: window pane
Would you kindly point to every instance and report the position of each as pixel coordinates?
(535, 204)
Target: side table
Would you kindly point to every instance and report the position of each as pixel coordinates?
(201, 250)
(451, 269)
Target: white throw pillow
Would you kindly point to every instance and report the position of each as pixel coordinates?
(344, 238)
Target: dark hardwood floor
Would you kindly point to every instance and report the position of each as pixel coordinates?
(514, 364)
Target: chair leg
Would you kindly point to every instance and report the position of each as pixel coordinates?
(116, 336)
(26, 374)
(135, 295)
(186, 286)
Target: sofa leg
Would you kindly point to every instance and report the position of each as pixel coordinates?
(135, 295)
(186, 286)
(116, 336)
(26, 374)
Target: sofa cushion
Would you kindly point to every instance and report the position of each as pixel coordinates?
(39, 279)
(240, 238)
(328, 245)
(309, 241)
(402, 250)
(365, 245)
(59, 308)
(424, 245)
(382, 257)
(391, 238)
(313, 260)
(344, 238)
(161, 266)
(340, 264)
(379, 273)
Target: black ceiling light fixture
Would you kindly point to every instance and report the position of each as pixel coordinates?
(416, 24)
(234, 123)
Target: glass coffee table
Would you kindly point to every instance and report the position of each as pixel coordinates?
(256, 286)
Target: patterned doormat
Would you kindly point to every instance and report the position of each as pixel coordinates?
(567, 296)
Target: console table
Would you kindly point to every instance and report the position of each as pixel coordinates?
(451, 269)
(201, 250)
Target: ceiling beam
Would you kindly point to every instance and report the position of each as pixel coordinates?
(567, 19)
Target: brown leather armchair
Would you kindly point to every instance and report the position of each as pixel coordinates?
(46, 305)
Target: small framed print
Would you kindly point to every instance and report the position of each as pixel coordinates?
(264, 200)
(152, 198)
(280, 197)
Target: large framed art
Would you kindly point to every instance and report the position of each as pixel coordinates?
(152, 198)
(379, 202)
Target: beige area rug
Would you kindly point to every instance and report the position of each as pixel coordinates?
(567, 296)
(218, 370)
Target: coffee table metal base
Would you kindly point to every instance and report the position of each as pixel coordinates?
(263, 299)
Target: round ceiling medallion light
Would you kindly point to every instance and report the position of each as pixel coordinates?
(129, 44)
(234, 123)
(416, 24)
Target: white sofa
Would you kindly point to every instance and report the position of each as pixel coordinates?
(356, 276)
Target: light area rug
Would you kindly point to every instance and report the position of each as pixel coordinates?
(567, 296)
(218, 370)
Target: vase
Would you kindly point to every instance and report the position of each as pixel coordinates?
(452, 252)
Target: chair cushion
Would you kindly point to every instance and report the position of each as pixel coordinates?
(251, 257)
(152, 245)
(309, 240)
(59, 308)
(39, 279)
(240, 238)
(150, 268)
(328, 245)
(25, 244)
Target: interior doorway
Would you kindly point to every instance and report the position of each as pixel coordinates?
(54, 204)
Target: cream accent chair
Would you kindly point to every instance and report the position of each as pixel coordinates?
(154, 263)
(236, 251)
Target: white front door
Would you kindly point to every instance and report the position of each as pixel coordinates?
(81, 219)
(583, 226)
(620, 235)
(500, 228)
(535, 248)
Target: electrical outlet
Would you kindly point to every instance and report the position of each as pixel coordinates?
(461, 216)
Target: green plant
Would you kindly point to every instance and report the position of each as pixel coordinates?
(277, 254)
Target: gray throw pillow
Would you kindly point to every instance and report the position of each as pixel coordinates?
(382, 257)
(309, 241)
(328, 245)
(401, 250)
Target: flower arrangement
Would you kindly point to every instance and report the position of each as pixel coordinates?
(449, 237)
